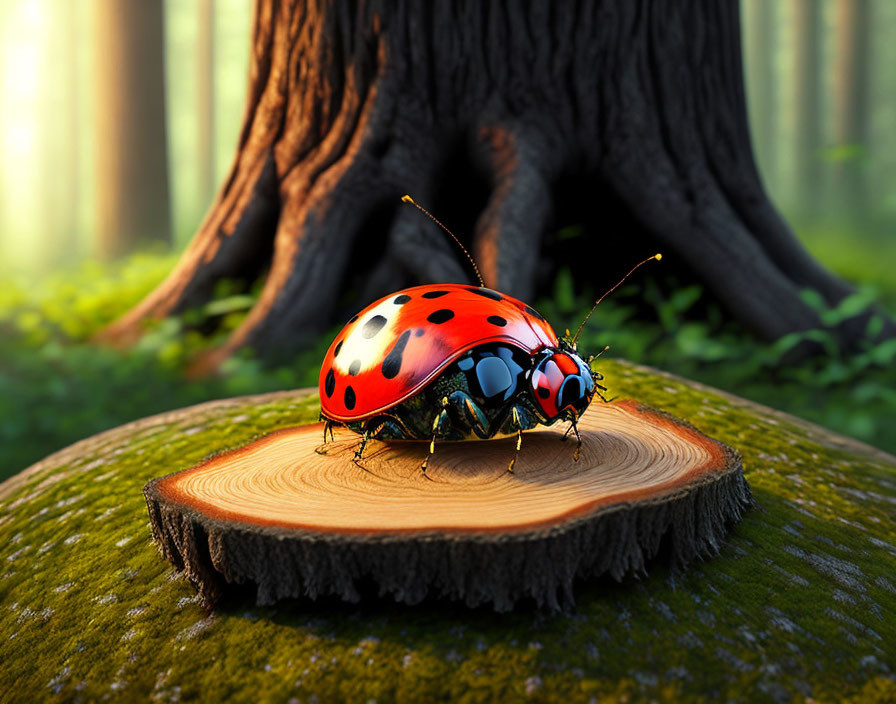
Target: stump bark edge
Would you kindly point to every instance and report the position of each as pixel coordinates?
(541, 565)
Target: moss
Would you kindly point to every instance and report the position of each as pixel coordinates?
(797, 604)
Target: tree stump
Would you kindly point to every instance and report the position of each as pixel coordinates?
(298, 518)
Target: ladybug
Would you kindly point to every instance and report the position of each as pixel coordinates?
(453, 362)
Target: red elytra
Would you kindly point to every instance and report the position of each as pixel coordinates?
(396, 345)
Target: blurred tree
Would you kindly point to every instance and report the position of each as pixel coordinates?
(630, 110)
(72, 87)
(206, 98)
(807, 113)
(852, 120)
(761, 75)
(58, 145)
(132, 194)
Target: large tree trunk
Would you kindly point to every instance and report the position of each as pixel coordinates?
(632, 110)
(132, 196)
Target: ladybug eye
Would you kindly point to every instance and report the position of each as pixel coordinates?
(571, 393)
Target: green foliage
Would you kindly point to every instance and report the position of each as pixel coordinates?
(56, 386)
(72, 304)
(851, 393)
(866, 257)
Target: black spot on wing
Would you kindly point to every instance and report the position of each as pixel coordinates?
(497, 320)
(349, 397)
(338, 347)
(373, 326)
(544, 392)
(487, 292)
(443, 315)
(392, 362)
(535, 314)
(434, 294)
(355, 367)
(401, 300)
(330, 383)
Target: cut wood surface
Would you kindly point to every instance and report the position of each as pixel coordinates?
(297, 517)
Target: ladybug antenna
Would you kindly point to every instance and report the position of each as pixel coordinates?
(408, 199)
(619, 283)
(606, 347)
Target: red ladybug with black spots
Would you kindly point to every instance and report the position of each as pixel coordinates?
(450, 362)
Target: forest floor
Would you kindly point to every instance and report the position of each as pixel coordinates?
(792, 609)
(57, 387)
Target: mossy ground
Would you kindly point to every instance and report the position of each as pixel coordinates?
(799, 603)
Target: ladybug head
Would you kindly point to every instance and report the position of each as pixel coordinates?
(562, 384)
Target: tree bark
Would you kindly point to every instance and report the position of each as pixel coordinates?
(491, 115)
(294, 518)
(132, 194)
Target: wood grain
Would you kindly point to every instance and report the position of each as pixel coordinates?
(298, 518)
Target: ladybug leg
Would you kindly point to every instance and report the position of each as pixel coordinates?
(515, 416)
(360, 451)
(598, 377)
(432, 449)
(439, 425)
(328, 426)
(390, 430)
(469, 413)
(575, 429)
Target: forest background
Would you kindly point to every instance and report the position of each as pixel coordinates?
(822, 98)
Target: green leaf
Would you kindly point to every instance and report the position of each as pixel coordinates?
(849, 307)
(843, 153)
(814, 300)
(682, 299)
(564, 292)
(875, 326)
(884, 353)
(568, 233)
(784, 344)
(231, 304)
